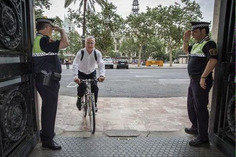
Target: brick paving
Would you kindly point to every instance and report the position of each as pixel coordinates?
(141, 114)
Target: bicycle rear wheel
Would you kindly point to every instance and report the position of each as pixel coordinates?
(92, 114)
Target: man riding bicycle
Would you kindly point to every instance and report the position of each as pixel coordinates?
(84, 67)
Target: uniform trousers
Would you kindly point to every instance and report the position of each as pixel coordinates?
(197, 102)
(49, 95)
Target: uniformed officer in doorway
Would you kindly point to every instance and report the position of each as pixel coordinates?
(47, 69)
(203, 58)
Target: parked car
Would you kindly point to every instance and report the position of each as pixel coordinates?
(176, 61)
(122, 63)
(108, 63)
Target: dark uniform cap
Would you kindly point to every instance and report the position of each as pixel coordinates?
(45, 20)
(196, 25)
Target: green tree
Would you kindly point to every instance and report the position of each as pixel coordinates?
(171, 22)
(140, 28)
(155, 49)
(87, 5)
(129, 47)
(103, 26)
(39, 5)
(75, 43)
(176, 53)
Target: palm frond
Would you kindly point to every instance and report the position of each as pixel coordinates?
(102, 3)
(68, 2)
(92, 1)
(92, 5)
(81, 4)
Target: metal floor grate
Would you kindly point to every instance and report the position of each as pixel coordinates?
(126, 147)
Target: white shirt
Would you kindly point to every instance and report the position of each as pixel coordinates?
(88, 63)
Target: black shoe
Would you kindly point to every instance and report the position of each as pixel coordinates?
(78, 103)
(51, 145)
(191, 131)
(198, 143)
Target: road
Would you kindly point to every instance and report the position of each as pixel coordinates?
(137, 83)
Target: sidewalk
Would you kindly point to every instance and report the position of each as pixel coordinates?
(141, 114)
(125, 127)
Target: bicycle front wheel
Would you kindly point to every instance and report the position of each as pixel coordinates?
(92, 114)
(84, 106)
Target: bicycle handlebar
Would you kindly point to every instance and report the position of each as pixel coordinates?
(89, 80)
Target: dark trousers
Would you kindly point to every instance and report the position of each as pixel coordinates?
(67, 66)
(49, 95)
(197, 102)
(82, 87)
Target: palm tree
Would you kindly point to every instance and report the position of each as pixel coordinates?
(87, 5)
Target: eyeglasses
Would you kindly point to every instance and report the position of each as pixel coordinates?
(90, 43)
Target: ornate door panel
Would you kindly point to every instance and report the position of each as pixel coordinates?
(17, 110)
(222, 124)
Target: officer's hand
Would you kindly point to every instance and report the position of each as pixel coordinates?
(56, 28)
(187, 35)
(203, 83)
(77, 80)
(101, 78)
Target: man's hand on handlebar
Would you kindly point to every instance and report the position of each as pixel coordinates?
(101, 78)
(77, 80)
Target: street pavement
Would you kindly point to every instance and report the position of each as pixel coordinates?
(135, 66)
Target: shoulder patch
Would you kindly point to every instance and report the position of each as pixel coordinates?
(213, 52)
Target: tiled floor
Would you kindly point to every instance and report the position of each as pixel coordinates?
(159, 124)
(141, 114)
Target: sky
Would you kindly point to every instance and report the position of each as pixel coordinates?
(124, 7)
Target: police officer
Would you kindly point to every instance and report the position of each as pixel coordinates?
(203, 58)
(47, 69)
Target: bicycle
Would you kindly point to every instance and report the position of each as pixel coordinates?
(88, 104)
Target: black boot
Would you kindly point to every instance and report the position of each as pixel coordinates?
(191, 131)
(51, 145)
(199, 143)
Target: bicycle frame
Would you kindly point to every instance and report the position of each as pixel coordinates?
(88, 104)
